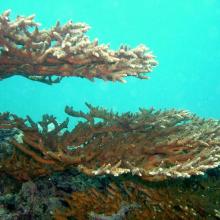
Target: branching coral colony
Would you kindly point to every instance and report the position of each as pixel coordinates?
(154, 145)
(64, 51)
(151, 146)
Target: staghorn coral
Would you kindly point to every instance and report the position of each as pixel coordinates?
(64, 50)
(154, 145)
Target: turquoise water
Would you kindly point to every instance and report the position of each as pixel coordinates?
(183, 34)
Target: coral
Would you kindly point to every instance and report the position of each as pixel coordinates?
(64, 50)
(194, 198)
(155, 145)
(72, 195)
(152, 144)
(145, 165)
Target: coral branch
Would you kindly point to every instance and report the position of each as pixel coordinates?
(64, 51)
(154, 145)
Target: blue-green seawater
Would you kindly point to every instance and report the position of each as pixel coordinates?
(183, 34)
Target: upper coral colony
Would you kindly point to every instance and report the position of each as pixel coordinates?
(152, 145)
(64, 51)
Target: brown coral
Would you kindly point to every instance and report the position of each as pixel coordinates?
(64, 51)
(154, 145)
(132, 200)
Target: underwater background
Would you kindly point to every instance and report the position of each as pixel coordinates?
(183, 34)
